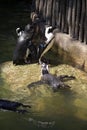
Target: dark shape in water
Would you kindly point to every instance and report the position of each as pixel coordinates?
(12, 106)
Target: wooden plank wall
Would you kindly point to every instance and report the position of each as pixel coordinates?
(69, 15)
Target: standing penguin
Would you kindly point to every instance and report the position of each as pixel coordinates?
(23, 39)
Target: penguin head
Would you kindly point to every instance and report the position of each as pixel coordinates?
(19, 31)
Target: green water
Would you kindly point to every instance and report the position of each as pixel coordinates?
(65, 110)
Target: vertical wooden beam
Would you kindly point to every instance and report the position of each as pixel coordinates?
(54, 13)
(66, 18)
(49, 12)
(41, 4)
(74, 17)
(70, 17)
(60, 15)
(63, 15)
(37, 5)
(78, 17)
(57, 12)
(81, 32)
(45, 9)
(86, 23)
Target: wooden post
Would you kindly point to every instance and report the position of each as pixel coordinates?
(63, 4)
(45, 9)
(81, 32)
(86, 23)
(57, 12)
(74, 18)
(60, 15)
(41, 5)
(49, 12)
(78, 17)
(70, 17)
(54, 13)
(37, 5)
(66, 17)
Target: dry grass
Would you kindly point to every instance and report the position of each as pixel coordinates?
(18, 77)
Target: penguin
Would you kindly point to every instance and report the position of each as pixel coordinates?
(54, 81)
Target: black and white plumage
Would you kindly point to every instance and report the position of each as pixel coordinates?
(54, 81)
(49, 34)
(44, 69)
(19, 31)
(23, 39)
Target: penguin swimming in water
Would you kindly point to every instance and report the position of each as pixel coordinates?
(13, 106)
(55, 82)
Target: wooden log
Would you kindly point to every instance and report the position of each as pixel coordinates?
(58, 20)
(57, 12)
(41, 4)
(54, 13)
(70, 17)
(81, 33)
(49, 12)
(78, 17)
(37, 5)
(74, 17)
(45, 9)
(66, 18)
(86, 23)
(85, 30)
(60, 15)
(63, 3)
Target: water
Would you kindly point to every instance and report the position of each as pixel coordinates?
(65, 110)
